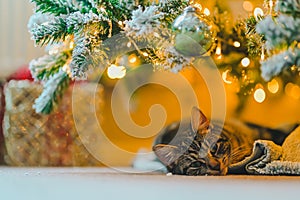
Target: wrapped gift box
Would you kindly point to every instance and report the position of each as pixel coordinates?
(33, 139)
(2, 148)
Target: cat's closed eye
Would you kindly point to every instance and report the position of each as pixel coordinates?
(214, 149)
(201, 147)
(196, 164)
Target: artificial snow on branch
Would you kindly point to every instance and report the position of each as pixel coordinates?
(43, 68)
(146, 25)
(38, 18)
(55, 7)
(49, 32)
(52, 92)
(291, 7)
(144, 22)
(280, 32)
(77, 20)
(280, 62)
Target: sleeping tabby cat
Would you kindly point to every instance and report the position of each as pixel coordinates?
(201, 147)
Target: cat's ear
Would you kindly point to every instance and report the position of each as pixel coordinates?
(198, 120)
(167, 154)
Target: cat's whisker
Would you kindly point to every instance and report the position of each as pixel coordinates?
(208, 147)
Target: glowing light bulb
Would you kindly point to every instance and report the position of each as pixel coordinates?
(71, 45)
(102, 9)
(116, 72)
(224, 77)
(132, 58)
(245, 62)
(259, 95)
(258, 12)
(145, 54)
(219, 52)
(206, 12)
(262, 56)
(236, 44)
(219, 49)
(294, 68)
(156, 34)
(271, 5)
(198, 6)
(273, 86)
(66, 67)
(248, 6)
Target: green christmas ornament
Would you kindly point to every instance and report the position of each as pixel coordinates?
(195, 36)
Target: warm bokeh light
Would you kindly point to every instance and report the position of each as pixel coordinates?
(206, 11)
(245, 62)
(248, 6)
(271, 4)
(116, 72)
(259, 95)
(292, 90)
(225, 78)
(198, 6)
(236, 44)
(71, 45)
(273, 86)
(145, 54)
(66, 68)
(262, 56)
(132, 58)
(218, 50)
(258, 12)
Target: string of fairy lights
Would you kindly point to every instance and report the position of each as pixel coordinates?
(276, 85)
(260, 92)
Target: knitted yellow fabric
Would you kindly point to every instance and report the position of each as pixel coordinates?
(291, 147)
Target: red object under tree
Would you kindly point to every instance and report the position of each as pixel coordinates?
(23, 73)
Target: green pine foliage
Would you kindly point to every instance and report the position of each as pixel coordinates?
(254, 40)
(281, 37)
(49, 33)
(55, 7)
(88, 22)
(46, 67)
(53, 91)
(173, 8)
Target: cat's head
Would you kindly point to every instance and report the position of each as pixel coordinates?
(200, 150)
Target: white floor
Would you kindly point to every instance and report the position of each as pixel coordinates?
(104, 183)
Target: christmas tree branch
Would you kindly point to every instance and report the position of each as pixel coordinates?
(276, 64)
(77, 21)
(290, 7)
(171, 9)
(114, 10)
(45, 67)
(88, 51)
(55, 7)
(52, 92)
(254, 39)
(50, 32)
(280, 32)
